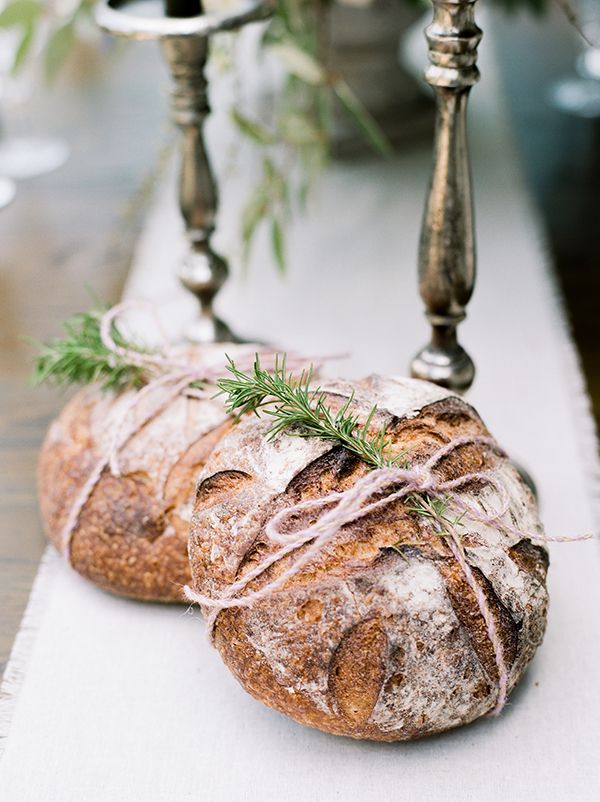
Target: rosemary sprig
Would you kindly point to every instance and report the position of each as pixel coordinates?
(301, 410)
(82, 358)
(434, 508)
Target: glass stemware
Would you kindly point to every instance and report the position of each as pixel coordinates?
(22, 154)
(7, 191)
(580, 94)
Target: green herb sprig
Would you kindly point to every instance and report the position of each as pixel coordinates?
(301, 411)
(82, 358)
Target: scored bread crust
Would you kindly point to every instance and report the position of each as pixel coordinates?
(370, 639)
(131, 536)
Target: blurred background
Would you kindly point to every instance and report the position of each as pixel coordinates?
(85, 139)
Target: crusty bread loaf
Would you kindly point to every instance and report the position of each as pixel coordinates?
(370, 639)
(131, 535)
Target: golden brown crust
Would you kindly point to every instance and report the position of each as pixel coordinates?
(131, 536)
(368, 641)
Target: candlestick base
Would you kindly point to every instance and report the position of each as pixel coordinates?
(203, 273)
(449, 367)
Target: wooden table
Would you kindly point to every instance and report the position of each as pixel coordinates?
(64, 232)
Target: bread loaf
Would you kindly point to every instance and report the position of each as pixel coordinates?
(130, 536)
(379, 635)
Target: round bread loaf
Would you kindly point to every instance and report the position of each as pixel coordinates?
(379, 635)
(130, 536)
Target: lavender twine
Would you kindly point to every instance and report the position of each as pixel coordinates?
(341, 508)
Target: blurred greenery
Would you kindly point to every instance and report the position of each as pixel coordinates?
(26, 16)
(296, 141)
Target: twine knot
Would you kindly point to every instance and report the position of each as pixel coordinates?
(423, 479)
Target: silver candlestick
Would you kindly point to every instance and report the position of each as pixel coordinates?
(185, 45)
(447, 248)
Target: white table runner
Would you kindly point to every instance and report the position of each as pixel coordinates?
(108, 700)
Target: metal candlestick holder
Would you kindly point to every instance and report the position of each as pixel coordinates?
(185, 45)
(447, 248)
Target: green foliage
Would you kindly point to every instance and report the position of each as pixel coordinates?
(277, 241)
(434, 508)
(58, 48)
(300, 410)
(23, 48)
(252, 129)
(297, 139)
(436, 512)
(367, 125)
(27, 15)
(299, 62)
(270, 200)
(20, 13)
(82, 358)
(24, 15)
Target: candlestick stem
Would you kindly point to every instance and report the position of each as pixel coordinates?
(202, 271)
(447, 246)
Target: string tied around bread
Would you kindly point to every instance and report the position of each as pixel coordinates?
(376, 489)
(166, 379)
